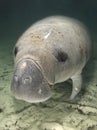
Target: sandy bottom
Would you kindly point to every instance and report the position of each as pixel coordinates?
(58, 113)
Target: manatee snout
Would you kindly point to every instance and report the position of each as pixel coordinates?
(29, 84)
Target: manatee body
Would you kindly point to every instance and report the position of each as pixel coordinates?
(52, 50)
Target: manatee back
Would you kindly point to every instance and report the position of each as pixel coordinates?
(57, 32)
(66, 39)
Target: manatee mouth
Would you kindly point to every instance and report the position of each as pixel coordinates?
(29, 84)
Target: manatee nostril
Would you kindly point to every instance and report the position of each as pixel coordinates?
(27, 80)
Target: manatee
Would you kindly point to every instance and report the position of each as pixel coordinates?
(51, 51)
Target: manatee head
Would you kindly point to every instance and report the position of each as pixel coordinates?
(28, 82)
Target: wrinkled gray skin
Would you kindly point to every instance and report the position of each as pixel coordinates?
(50, 51)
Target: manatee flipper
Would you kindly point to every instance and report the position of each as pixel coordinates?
(77, 84)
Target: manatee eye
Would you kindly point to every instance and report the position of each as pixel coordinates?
(15, 51)
(61, 56)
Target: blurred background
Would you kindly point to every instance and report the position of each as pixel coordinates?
(17, 15)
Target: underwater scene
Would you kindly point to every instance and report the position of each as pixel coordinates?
(48, 75)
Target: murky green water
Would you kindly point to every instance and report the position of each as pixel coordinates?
(57, 113)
